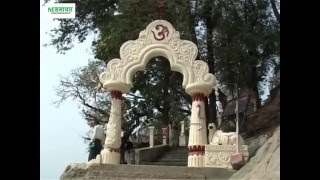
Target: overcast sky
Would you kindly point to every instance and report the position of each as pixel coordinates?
(60, 128)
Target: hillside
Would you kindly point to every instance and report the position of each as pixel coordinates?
(262, 121)
(266, 163)
(262, 135)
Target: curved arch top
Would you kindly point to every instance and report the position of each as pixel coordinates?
(158, 39)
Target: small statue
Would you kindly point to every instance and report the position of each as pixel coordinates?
(218, 137)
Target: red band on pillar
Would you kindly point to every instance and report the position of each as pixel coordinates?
(116, 94)
(114, 150)
(196, 149)
(198, 97)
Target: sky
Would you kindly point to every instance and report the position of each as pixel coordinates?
(60, 128)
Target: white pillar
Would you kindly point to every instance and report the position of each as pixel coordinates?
(111, 152)
(164, 135)
(182, 137)
(198, 132)
(151, 134)
(182, 128)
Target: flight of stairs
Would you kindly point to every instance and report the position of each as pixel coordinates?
(174, 157)
(172, 165)
(142, 172)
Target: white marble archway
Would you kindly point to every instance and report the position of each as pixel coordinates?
(158, 39)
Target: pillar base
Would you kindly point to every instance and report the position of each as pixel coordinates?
(182, 140)
(110, 156)
(196, 160)
(97, 160)
(196, 156)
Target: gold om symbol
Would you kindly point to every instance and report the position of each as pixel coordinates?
(161, 33)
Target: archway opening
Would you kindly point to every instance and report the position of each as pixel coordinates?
(158, 95)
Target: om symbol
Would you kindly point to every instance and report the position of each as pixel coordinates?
(161, 32)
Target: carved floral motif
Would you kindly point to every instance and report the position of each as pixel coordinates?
(220, 155)
(186, 51)
(218, 159)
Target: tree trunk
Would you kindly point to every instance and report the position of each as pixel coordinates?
(192, 25)
(275, 10)
(124, 140)
(222, 99)
(166, 104)
(254, 86)
(253, 80)
(209, 22)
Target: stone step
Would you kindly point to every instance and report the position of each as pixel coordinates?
(173, 159)
(161, 163)
(175, 154)
(179, 149)
(150, 172)
(184, 149)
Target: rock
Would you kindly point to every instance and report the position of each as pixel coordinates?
(265, 164)
(254, 143)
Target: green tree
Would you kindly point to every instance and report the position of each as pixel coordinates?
(81, 85)
(246, 44)
(157, 85)
(238, 39)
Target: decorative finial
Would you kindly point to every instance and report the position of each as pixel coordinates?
(160, 4)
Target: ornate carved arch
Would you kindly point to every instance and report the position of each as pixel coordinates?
(158, 39)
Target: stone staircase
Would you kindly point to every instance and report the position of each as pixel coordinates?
(172, 165)
(142, 172)
(174, 157)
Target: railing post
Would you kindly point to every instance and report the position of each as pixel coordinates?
(151, 140)
(164, 136)
(182, 137)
